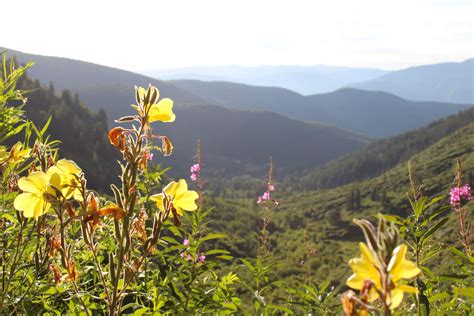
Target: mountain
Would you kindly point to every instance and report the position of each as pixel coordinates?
(241, 142)
(107, 86)
(302, 79)
(382, 155)
(375, 114)
(233, 141)
(446, 82)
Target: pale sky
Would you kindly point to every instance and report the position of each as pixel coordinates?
(139, 34)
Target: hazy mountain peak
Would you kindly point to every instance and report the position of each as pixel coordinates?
(444, 82)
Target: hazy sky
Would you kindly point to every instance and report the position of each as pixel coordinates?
(154, 34)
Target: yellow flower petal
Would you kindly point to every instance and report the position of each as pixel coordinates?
(396, 297)
(181, 188)
(171, 188)
(162, 111)
(187, 201)
(355, 282)
(25, 201)
(41, 207)
(3, 154)
(408, 288)
(179, 195)
(34, 183)
(158, 198)
(366, 253)
(401, 268)
(69, 167)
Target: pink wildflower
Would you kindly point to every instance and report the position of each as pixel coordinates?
(186, 242)
(195, 168)
(271, 187)
(201, 258)
(460, 194)
(266, 196)
(193, 177)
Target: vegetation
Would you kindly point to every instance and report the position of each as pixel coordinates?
(159, 246)
(382, 155)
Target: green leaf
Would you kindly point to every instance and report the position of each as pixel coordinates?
(465, 291)
(432, 230)
(430, 254)
(248, 265)
(280, 308)
(439, 297)
(212, 236)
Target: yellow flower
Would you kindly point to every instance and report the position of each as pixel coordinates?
(15, 155)
(147, 103)
(69, 174)
(3, 154)
(34, 201)
(162, 111)
(367, 268)
(176, 196)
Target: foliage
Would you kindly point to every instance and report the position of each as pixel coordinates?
(160, 247)
(382, 155)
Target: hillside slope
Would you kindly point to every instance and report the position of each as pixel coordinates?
(382, 155)
(324, 216)
(241, 142)
(100, 87)
(446, 82)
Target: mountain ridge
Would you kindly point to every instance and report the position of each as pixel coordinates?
(444, 82)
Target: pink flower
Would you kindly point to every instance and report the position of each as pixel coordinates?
(195, 168)
(460, 194)
(193, 177)
(266, 196)
(201, 258)
(271, 187)
(189, 257)
(186, 242)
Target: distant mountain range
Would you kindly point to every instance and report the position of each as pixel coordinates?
(375, 114)
(446, 82)
(80, 76)
(301, 79)
(234, 141)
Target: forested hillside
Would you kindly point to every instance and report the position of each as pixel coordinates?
(324, 216)
(83, 133)
(381, 155)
